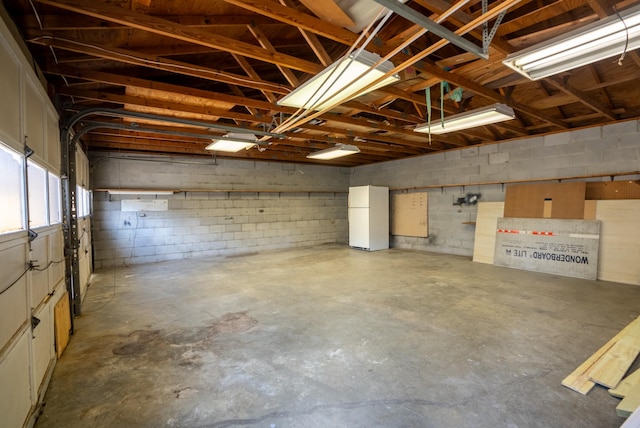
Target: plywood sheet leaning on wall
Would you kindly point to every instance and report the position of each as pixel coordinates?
(607, 190)
(62, 322)
(562, 200)
(409, 214)
(619, 241)
(486, 224)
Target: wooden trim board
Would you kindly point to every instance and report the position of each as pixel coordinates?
(627, 385)
(633, 421)
(629, 404)
(609, 370)
(579, 380)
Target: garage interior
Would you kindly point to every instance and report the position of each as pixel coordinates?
(153, 277)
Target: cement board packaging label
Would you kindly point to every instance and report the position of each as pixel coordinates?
(561, 247)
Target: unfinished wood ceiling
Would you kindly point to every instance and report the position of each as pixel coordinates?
(227, 62)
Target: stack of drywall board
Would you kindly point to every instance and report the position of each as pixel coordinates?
(608, 366)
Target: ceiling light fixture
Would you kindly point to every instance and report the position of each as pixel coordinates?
(340, 81)
(469, 119)
(338, 151)
(233, 142)
(140, 192)
(603, 39)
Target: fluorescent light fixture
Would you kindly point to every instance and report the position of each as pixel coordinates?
(233, 142)
(335, 152)
(469, 119)
(599, 40)
(140, 192)
(340, 81)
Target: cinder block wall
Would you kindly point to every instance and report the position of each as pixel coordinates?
(280, 206)
(597, 150)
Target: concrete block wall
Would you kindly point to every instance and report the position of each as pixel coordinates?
(589, 151)
(290, 206)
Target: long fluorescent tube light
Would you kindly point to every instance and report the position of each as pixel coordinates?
(340, 81)
(335, 152)
(469, 119)
(599, 40)
(140, 192)
(233, 142)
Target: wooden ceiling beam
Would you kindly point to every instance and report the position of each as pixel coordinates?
(298, 19)
(158, 63)
(400, 142)
(51, 22)
(119, 80)
(539, 15)
(488, 93)
(211, 113)
(593, 104)
(259, 35)
(329, 11)
(312, 40)
(170, 29)
(242, 61)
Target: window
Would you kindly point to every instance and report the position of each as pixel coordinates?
(11, 190)
(55, 214)
(37, 182)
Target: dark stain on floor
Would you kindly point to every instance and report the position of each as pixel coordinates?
(175, 344)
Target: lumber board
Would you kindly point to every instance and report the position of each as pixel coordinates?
(611, 368)
(578, 380)
(633, 421)
(627, 385)
(486, 224)
(629, 404)
(62, 323)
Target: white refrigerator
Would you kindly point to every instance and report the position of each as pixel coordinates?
(369, 217)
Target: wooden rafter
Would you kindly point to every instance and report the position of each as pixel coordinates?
(170, 29)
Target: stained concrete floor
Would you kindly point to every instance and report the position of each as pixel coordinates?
(334, 337)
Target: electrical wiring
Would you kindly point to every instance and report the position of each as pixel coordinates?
(52, 262)
(626, 42)
(16, 280)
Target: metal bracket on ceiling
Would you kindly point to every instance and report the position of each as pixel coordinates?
(437, 29)
(487, 36)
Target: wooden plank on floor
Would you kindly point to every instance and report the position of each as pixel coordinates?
(627, 385)
(609, 370)
(486, 224)
(62, 323)
(633, 421)
(629, 404)
(579, 380)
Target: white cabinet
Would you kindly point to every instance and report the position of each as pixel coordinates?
(369, 217)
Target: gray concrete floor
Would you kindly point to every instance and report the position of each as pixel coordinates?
(334, 337)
